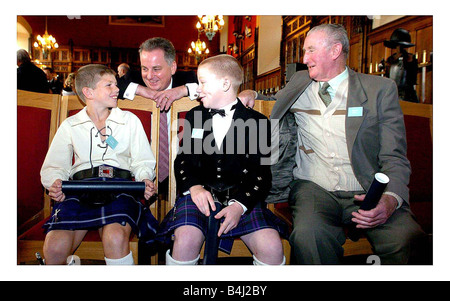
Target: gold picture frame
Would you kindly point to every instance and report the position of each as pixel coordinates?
(156, 21)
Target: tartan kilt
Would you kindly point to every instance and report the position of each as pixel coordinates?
(185, 212)
(73, 214)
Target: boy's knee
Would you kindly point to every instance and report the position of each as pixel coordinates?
(116, 237)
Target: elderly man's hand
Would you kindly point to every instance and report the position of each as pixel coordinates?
(378, 215)
(248, 97)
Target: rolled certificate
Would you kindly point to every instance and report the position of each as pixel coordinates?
(375, 191)
(80, 187)
(211, 239)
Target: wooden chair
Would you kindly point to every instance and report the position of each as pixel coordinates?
(282, 210)
(419, 136)
(178, 110)
(37, 121)
(91, 248)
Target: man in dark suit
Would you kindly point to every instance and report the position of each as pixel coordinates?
(164, 85)
(29, 76)
(221, 160)
(337, 129)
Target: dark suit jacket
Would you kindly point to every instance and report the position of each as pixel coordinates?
(376, 141)
(178, 79)
(32, 78)
(200, 162)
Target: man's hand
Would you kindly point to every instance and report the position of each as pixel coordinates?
(145, 92)
(55, 191)
(164, 99)
(378, 215)
(202, 198)
(248, 97)
(149, 189)
(232, 215)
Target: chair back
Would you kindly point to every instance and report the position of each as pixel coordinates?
(177, 113)
(264, 107)
(419, 136)
(37, 121)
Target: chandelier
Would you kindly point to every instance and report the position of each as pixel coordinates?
(209, 24)
(46, 42)
(198, 49)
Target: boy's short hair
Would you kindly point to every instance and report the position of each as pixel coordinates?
(89, 76)
(225, 65)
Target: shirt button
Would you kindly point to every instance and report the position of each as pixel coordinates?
(332, 155)
(336, 168)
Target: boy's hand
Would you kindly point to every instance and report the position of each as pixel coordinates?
(55, 191)
(202, 198)
(232, 215)
(149, 189)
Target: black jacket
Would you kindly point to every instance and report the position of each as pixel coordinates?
(200, 162)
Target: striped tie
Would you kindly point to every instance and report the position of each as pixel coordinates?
(163, 160)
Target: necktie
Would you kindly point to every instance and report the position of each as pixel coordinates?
(163, 159)
(324, 95)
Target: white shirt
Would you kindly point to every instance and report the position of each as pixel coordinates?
(220, 127)
(78, 138)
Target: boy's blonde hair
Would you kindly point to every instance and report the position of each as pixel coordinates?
(225, 65)
(89, 76)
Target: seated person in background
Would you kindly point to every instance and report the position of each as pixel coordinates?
(215, 163)
(54, 83)
(29, 76)
(69, 85)
(99, 137)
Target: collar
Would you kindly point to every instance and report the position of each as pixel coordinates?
(337, 80)
(116, 115)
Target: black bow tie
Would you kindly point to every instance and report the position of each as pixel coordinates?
(221, 112)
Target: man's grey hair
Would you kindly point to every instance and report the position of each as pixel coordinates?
(23, 56)
(336, 34)
(160, 43)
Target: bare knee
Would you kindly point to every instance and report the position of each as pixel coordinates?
(265, 245)
(115, 239)
(187, 244)
(57, 247)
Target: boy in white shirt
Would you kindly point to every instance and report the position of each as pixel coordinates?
(101, 142)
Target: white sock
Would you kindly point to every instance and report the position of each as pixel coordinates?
(259, 262)
(171, 261)
(127, 260)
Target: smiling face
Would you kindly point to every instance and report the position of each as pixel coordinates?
(211, 89)
(323, 59)
(106, 92)
(155, 70)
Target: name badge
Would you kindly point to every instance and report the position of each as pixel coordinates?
(112, 142)
(197, 133)
(355, 112)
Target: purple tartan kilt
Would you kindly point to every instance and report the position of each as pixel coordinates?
(185, 212)
(71, 214)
